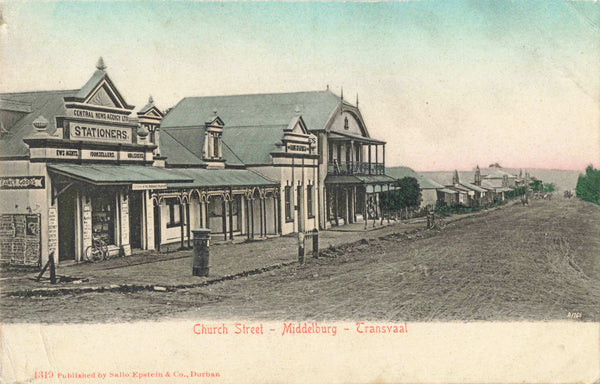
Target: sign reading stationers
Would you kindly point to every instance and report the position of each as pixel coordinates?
(85, 131)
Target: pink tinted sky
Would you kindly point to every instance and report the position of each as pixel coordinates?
(447, 84)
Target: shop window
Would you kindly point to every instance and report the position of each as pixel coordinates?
(288, 203)
(103, 213)
(309, 201)
(174, 213)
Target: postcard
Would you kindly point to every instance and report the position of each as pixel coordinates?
(300, 192)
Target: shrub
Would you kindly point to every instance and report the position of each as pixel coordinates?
(588, 185)
(549, 188)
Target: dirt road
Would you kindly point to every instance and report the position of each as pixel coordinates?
(538, 262)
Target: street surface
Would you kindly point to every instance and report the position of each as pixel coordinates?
(537, 262)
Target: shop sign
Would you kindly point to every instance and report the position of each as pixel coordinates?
(105, 116)
(133, 156)
(99, 133)
(64, 153)
(297, 148)
(94, 154)
(22, 182)
(140, 187)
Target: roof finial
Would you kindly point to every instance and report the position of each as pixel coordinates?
(327, 87)
(100, 65)
(150, 100)
(215, 111)
(342, 95)
(356, 99)
(297, 110)
(40, 125)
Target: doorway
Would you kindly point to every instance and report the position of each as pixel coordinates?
(300, 207)
(157, 228)
(135, 220)
(66, 225)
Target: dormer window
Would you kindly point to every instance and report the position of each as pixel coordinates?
(216, 150)
(213, 152)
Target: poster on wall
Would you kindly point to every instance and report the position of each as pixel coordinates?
(87, 225)
(53, 232)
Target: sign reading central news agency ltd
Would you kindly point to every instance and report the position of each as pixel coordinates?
(99, 133)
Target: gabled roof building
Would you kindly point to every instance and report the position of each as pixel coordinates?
(78, 167)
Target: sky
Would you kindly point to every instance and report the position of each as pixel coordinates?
(448, 84)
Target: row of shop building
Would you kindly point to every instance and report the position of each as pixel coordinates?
(81, 164)
(457, 189)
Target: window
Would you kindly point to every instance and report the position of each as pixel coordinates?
(216, 146)
(288, 203)
(309, 201)
(346, 126)
(174, 213)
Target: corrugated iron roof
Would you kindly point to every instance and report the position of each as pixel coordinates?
(359, 179)
(220, 178)
(265, 109)
(345, 135)
(91, 84)
(106, 174)
(190, 138)
(254, 144)
(46, 103)
(446, 190)
(401, 172)
(177, 154)
(8, 104)
(473, 187)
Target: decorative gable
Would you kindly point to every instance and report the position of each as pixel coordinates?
(102, 98)
(295, 137)
(99, 91)
(154, 112)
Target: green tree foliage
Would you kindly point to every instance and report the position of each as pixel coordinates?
(549, 188)
(536, 185)
(520, 191)
(588, 185)
(406, 195)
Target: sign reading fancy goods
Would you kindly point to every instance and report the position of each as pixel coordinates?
(22, 182)
(97, 132)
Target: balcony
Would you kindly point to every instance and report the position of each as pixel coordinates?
(355, 168)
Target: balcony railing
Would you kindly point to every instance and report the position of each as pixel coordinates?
(355, 168)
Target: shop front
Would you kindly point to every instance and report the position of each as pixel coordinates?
(111, 204)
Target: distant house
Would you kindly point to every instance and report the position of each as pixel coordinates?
(429, 188)
(468, 194)
(499, 178)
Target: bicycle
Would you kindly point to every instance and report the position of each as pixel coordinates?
(97, 251)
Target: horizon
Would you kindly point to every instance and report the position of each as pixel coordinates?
(446, 85)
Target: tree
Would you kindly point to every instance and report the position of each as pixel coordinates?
(536, 185)
(406, 195)
(588, 185)
(549, 188)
